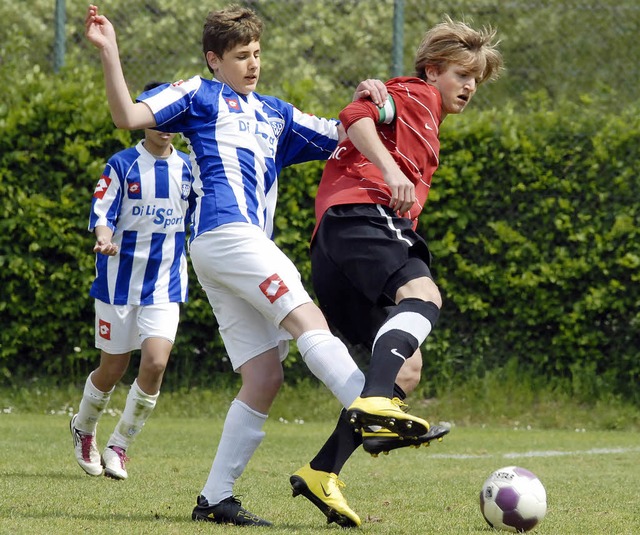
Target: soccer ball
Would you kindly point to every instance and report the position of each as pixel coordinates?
(513, 499)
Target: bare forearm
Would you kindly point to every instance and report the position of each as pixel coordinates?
(124, 112)
(365, 138)
(103, 243)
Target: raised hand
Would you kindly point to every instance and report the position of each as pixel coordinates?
(98, 29)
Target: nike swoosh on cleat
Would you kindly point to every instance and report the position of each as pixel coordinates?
(395, 352)
(326, 494)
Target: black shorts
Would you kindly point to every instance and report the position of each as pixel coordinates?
(360, 256)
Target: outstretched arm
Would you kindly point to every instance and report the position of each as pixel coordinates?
(125, 112)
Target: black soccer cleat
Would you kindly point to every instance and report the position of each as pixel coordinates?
(228, 511)
(383, 440)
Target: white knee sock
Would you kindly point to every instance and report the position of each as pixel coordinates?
(329, 360)
(241, 435)
(138, 408)
(92, 405)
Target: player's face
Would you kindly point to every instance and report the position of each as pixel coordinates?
(157, 143)
(457, 85)
(239, 67)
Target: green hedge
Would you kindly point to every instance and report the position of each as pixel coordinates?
(532, 221)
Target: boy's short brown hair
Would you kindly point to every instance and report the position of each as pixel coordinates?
(229, 27)
(454, 42)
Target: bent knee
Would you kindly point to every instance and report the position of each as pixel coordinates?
(422, 288)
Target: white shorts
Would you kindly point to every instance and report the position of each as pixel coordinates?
(123, 328)
(251, 286)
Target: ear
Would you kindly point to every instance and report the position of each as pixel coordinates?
(212, 60)
(432, 73)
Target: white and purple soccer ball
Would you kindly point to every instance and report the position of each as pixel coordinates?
(513, 499)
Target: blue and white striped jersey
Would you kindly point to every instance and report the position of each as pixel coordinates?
(144, 200)
(238, 144)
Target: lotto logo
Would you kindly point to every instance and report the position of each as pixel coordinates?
(102, 187)
(273, 288)
(104, 328)
(233, 105)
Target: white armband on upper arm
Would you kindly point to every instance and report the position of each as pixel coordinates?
(387, 112)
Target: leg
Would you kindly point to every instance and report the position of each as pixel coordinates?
(98, 388)
(318, 481)
(409, 323)
(242, 433)
(141, 400)
(407, 326)
(154, 333)
(325, 354)
(409, 375)
(95, 398)
(116, 335)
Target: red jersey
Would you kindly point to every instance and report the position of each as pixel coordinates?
(411, 138)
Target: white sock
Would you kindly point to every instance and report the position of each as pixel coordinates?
(241, 435)
(138, 408)
(329, 360)
(92, 405)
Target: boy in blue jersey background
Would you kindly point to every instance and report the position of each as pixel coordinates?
(138, 213)
(239, 141)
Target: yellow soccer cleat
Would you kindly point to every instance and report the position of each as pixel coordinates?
(387, 413)
(323, 490)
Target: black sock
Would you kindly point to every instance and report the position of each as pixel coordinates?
(338, 448)
(404, 330)
(389, 354)
(398, 392)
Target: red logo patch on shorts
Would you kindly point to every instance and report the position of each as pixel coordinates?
(273, 287)
(104, 328)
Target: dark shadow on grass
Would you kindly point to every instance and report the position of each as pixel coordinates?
(43, 475)
(106, 517)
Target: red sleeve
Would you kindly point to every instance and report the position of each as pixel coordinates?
(359, 110)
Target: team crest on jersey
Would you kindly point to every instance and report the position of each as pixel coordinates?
(134, 189)
(104, 329)
(277, 125)
(273, 288)
(233, 104)
(186, 189)
(101, 187)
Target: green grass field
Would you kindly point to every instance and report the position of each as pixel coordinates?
(592, 477)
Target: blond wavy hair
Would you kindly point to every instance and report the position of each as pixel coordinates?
(455, 42)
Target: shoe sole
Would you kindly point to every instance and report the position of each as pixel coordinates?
(377, 445)
(299, 486)
(406, 427)
(203, 516)
(113, 475)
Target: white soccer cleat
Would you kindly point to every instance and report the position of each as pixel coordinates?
(86, 450)
(114, 459)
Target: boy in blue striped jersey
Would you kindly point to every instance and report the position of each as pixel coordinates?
(239, 142)
(138, 213)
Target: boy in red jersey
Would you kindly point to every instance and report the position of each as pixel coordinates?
(370, 268)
